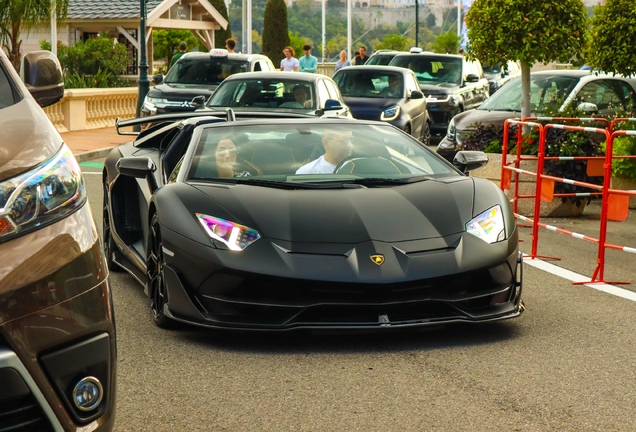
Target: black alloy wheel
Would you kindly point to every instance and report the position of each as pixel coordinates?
(426, 134)
(156, 282)
(108, 244)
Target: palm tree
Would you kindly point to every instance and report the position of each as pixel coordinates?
(17, 16)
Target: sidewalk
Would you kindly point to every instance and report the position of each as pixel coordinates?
(93, 143)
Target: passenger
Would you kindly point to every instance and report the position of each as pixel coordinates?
(301, 94)
(337, 146)
(394, 89)
(226, 164)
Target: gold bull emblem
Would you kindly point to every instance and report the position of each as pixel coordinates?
(377, 259)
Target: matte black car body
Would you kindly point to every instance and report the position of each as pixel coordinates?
(363, 90)
(273, 92)
(385, 255)
(603, 95)
(446, 94)
(174, 92)
(56, 313)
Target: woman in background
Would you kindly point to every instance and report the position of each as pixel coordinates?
(343, 60)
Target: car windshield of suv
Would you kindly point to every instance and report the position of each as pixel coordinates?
(380, 59)
(204, 72)
(272, 94)
(545, 91)
(496, 69)
(369, 83)
(273, 154)
(432, 69)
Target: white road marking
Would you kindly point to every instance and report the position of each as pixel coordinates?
(575, 277)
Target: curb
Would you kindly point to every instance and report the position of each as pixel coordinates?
(93, 154)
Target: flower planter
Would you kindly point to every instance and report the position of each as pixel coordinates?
(624, 183)
(527, 185)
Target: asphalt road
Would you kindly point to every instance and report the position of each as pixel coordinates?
(565, 365)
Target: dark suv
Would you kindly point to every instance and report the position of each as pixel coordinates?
(198, 74)
(57, 332)
(450, 83)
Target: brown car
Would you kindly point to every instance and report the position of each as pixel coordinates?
(57, 332)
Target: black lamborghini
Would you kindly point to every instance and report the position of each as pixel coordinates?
(255, 224)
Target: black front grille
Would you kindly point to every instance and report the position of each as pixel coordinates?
(439, 117)
(23, 414)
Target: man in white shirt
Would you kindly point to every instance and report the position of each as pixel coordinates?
(337, 146)
(289, 63)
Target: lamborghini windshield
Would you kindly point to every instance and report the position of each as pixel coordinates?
(271, 94)
(294, 152)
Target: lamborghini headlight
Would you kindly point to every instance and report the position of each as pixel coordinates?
(488, 226)
(390, 113)
(236, 237)
(41, 196)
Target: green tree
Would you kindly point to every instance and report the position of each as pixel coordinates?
(17, 16)
(166, 43)
(257, 42)
(220, 36)
(297, 42)
(528, 31)
(446, 43)
(393, 42)
(612, 36)
(275, 30)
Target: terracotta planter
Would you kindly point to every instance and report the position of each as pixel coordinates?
(527, 185)
(625, 184)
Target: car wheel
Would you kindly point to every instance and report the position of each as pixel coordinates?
(426, 134)
(156, 282)
(108, 244)
(407, 129)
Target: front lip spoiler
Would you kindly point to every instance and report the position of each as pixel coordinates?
(518, 310)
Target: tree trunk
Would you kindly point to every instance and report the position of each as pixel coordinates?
(14, 53)
(525, 90)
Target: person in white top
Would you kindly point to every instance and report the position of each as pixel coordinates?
(289, 63)
(337, 146)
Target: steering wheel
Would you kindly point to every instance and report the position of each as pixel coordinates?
(367, 165)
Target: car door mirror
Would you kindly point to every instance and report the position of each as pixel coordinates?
(333, 105)
(467, 160)
(42, 74)
(139, 167)
(472, 78)
(587, 107)
(157, 79)
(197, 101)
(415, 94)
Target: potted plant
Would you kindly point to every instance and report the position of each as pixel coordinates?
(558, 143)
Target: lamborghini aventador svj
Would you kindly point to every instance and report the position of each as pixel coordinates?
(307, 223)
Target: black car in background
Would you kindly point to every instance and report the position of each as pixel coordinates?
(198, 74)
(451, 84)
(499, 75)
(388, 94)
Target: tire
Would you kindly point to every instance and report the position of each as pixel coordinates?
(155, 281)
(108, 244)
(426, 134)
(407, 129)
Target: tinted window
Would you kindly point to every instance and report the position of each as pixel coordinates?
(432, 69)
(545, 90)
(602, 93)
(205, 72)
(491, 69)
(380, 59)
(356, 83)
(6, 91)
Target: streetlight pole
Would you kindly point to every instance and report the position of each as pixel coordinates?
(144, 82)
(417, 24)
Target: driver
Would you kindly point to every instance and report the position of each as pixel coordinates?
(337, 146)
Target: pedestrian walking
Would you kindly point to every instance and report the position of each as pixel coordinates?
(183, 47)
(342, 62)
(308, 63)
(356, 58)
(363, 56)
(230, 44)
(289, 63)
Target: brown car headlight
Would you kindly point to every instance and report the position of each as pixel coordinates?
(41, 196)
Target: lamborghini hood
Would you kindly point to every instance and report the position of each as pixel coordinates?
(428, 209)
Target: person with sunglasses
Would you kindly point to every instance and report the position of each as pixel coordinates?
(226, 160)
(337, 146)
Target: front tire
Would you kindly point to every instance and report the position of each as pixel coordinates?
(426, 134)
(156, 281)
